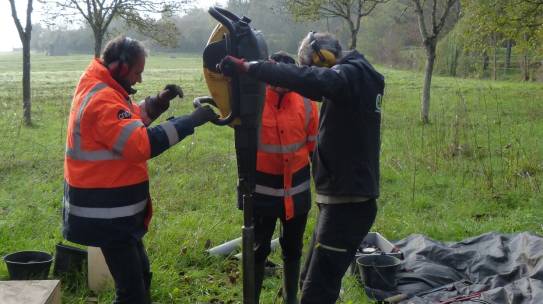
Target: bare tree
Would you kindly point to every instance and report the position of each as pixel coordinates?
(351, 11)
(99, 14)
(432, 16)
(25, 35)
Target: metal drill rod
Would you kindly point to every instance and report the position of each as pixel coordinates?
(248, 259)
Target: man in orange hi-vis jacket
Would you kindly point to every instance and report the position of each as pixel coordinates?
(109, 140)
(287, 140)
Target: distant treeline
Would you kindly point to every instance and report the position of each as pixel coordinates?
(389, 36)
(192, 31)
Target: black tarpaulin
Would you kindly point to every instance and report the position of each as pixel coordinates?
(490, 268)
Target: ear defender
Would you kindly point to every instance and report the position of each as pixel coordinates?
(123, 69)
(123, 62)
(321, 57)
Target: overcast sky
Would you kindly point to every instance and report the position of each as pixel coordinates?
(9, 37)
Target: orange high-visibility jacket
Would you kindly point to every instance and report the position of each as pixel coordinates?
(287, 138)
(106, 195)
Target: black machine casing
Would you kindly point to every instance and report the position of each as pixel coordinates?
(240, 100)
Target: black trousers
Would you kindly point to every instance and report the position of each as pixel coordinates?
(129, 266)
(291, 237)
(339, 230)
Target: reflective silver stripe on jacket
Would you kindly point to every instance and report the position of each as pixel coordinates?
(171, 132)
(307, 107)
(104, 213)
(279, 148)
(77, 153)
(268, 148)
(281, 192)
(76, 135)
(125, 134)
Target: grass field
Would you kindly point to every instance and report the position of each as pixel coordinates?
(477, 167)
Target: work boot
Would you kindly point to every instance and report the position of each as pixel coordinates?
(291, 275)
(260, 267)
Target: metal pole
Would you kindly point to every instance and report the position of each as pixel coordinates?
(248, 258)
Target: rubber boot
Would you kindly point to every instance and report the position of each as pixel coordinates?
(259, 277)
(291, 275)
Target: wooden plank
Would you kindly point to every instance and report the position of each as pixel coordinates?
(30, 292)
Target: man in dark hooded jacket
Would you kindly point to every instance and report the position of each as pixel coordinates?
(346, 160)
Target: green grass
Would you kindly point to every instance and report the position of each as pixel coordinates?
(477, 167)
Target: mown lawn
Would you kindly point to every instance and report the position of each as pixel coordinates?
(477, 167)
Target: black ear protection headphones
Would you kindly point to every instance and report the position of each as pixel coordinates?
(321, 57)
(123, 60)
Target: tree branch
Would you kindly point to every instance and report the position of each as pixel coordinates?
(443, 18)
(16, 19)
(420, 16)
(434, 22)
(371, 8)
(29, 8)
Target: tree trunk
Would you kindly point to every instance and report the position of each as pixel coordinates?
(454, 60)
(508, 48)
(495, 63)
(98, 40)
(525, 67)
(354, 34)
(526, 61)
(27, 103)
(485, 63)
(428, 71)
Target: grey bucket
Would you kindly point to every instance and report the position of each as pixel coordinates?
(379, 271)
(28, 265)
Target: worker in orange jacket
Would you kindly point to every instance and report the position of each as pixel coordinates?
(109, 140)
(287, 140)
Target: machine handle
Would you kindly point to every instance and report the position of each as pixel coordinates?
(228, 14)
(198, 103)
(225, 17)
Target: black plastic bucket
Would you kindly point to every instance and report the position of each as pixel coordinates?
(28, 265)
(379, 271)
(69, 259)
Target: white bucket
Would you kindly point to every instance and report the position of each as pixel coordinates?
(99, 276)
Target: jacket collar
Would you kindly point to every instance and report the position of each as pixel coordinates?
(274, 99)
(96, 69)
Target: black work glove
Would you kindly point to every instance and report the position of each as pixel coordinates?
(201, 115)
(170, 92)
(231, 65)
(154, 106)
